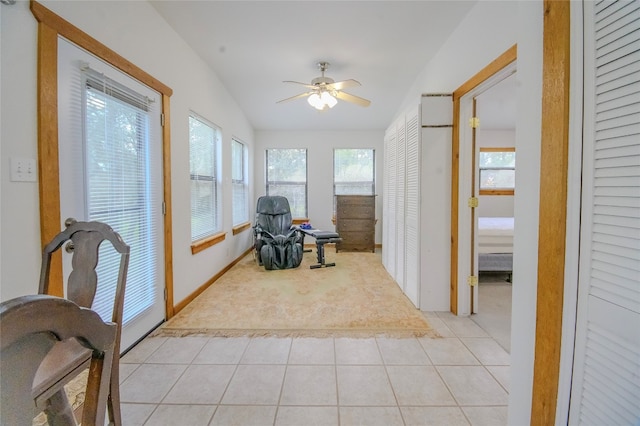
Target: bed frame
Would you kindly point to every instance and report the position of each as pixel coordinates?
(495, 249)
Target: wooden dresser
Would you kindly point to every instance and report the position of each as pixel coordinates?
(356, 222)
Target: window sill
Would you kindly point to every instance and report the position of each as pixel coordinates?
(497, 192)
(198, 246)
(238, 229)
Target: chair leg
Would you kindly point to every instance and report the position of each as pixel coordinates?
(113, 401)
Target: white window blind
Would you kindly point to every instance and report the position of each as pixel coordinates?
(203, 150)
(606, 385)
(287, 176)
(239, 178)
(353, 172)
(119, 191)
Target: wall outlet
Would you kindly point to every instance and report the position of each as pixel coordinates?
(23, 169)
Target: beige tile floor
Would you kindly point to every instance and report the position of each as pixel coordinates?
(459, 379)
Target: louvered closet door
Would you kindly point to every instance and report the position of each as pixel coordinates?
(606, 377)
(385, 199)
(391, 196)
(401, 162)
(412, 210)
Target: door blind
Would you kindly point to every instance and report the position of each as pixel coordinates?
(119, 191)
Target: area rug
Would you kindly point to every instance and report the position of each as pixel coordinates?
(355, 298)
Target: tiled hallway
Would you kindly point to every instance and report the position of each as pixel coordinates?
(459, 379)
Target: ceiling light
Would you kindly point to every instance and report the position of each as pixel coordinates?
(328, 99)
(322, 100)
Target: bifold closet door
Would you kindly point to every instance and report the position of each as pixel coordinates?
(606, 384)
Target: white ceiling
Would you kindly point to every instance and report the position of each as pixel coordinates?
(254, 45)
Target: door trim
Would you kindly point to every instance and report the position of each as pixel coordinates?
(50, 27)
(554, 166)
(485, 74)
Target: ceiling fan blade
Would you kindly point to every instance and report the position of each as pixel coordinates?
(353, 99)
(340, 85)
(309, 86)
(301, 95)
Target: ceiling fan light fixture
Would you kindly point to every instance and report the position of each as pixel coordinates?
(322, 100)
(328, 100)
(315, 101)
(324, 91)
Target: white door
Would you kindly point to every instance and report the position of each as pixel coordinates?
(606, 373)
(412, 208)
(110, 153)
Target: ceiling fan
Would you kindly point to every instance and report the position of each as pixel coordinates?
(323, 91)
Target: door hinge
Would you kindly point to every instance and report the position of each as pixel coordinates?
(472, 280)
(166, 294)
(164, 208)
(162, 119)
(472, 202)
(474, 122)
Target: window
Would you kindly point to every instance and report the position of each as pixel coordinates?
(353, 172)
(287, 176)
(497, 169)
(239, 178)
(203, 146)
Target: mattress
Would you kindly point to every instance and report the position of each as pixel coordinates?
(495, 235)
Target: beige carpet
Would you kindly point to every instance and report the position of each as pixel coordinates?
(355, 298)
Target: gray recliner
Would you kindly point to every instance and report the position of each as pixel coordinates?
(278, 244)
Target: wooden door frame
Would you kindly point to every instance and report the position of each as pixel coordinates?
(485, 74)
(50, 27)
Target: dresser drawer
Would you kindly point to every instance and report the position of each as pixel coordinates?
(352, 211)
(355, 225)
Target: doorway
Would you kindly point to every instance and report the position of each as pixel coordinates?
(110, 171)
(464, 268)
(51, 30)
(493, 173)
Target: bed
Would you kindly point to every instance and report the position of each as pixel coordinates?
(495, 244)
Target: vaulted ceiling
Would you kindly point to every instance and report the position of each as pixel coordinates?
(253, 46)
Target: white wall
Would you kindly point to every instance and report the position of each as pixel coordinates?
(526, 207)
(138, 33)
(495, 205)
(320, 146)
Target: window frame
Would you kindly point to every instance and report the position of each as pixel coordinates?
(292, 183)
(214, 235)
(494, 191)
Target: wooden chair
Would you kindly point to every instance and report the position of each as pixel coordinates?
(30, 326)
(68, 359)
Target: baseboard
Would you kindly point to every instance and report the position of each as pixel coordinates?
(177, 308)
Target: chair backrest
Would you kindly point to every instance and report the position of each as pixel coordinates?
(273, 214)
(29, 327)
(85, 239)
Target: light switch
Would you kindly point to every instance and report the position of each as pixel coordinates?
(23, 169)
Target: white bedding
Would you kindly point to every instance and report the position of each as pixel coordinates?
(495, 235)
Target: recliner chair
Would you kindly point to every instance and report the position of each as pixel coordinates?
(278, 244)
